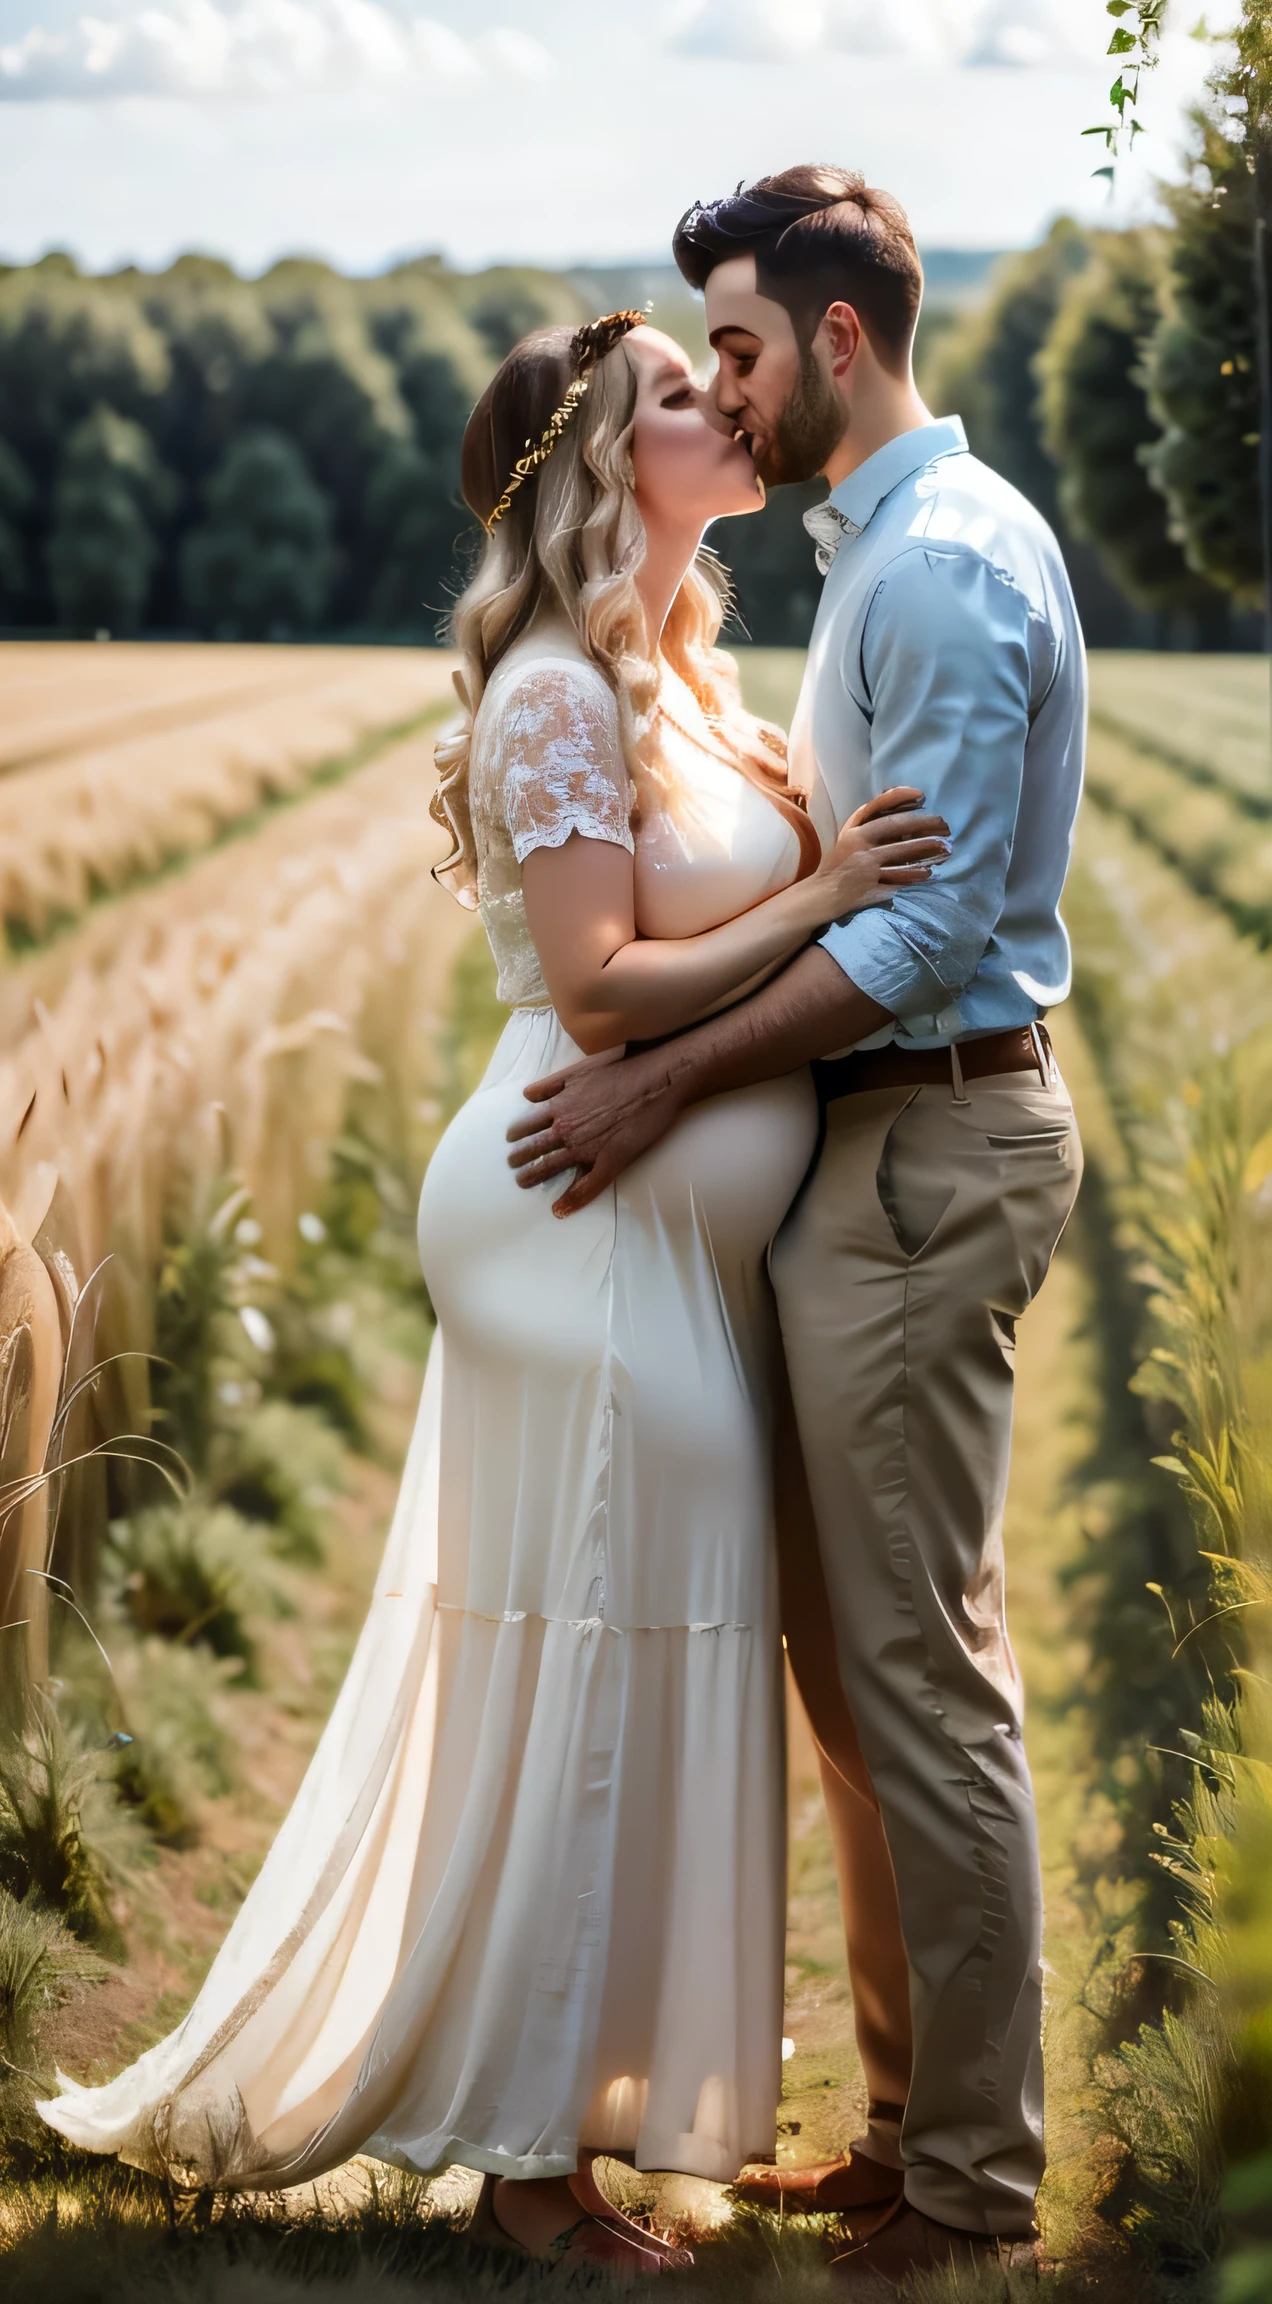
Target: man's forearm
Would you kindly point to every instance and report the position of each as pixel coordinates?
(812, 1009)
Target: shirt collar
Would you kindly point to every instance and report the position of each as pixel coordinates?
(852, 505)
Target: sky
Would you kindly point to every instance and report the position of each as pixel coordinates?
(545, 131)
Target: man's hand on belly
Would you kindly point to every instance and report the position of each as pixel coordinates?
(598, 1117)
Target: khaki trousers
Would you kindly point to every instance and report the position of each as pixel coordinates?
(924, 1231)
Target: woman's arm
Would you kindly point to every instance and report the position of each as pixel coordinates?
(609, 985)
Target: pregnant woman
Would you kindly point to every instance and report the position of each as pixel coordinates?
(528, 1905)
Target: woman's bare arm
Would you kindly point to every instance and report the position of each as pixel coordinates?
(609, 985)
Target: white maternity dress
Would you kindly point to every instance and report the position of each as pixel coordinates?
(530, 1894)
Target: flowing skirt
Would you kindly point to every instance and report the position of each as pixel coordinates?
(530, 1894)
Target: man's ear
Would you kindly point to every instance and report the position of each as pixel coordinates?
(841, 332)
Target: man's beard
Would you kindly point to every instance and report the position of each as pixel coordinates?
(808, 430)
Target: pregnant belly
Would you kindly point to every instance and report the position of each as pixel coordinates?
(501, 1267)
(731, 1167)
(607, 1375)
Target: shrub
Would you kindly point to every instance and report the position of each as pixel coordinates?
(182, 1747)
(1202, 371)
(194, 1571)
(286, 1465)
(64, 1839)
(194, 1310)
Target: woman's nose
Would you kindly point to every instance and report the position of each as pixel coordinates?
(709, 403)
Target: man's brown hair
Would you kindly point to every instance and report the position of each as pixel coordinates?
(819, 236)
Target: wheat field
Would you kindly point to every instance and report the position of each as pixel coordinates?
(116, 761)
(216, 1024)
(230, 983)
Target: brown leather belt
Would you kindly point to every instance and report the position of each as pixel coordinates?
(1025, 1050)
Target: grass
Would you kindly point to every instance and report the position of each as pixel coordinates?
(390, 2236)
(42, 1965)
(390, 2240)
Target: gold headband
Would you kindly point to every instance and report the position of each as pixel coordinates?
(587, 348)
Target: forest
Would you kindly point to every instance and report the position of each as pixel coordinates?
(191, 453)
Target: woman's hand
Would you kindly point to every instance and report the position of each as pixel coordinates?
(887, 844)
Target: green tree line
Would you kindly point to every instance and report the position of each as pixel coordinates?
(1113, 377)
(193, 452)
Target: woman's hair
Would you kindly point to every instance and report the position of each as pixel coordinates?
(569, 544)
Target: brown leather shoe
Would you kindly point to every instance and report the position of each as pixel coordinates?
(908, 2241)
(830, 2188)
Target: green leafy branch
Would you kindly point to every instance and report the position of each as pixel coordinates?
(1136, 45)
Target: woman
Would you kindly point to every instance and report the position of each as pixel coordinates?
(528, 1904)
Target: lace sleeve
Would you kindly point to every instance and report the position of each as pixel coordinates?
(562, 761)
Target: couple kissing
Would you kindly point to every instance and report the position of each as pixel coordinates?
(727, 1252)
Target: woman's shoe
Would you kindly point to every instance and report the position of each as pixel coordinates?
(589, 2195)
(591, 2240)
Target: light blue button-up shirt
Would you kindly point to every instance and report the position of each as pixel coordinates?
(947, 653)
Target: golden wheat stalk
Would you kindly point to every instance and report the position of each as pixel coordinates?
(30, 1380)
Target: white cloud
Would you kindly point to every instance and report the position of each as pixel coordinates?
(518, 53)
(751, 31)
(441, 52)
(908, 28)
(1025, 32)
(972, 32)
(204, 48)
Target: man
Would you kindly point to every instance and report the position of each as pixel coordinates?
(946, 654)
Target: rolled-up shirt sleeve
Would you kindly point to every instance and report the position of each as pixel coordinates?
(945, 661)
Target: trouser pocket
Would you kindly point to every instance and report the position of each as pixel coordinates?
(914, 1191)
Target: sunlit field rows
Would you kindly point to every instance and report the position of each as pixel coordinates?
(215, 1019)
(116, 761)
(1207, 714)
(214, 1032)
(220, 1021)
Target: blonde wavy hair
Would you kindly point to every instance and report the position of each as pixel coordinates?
(570, 544)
